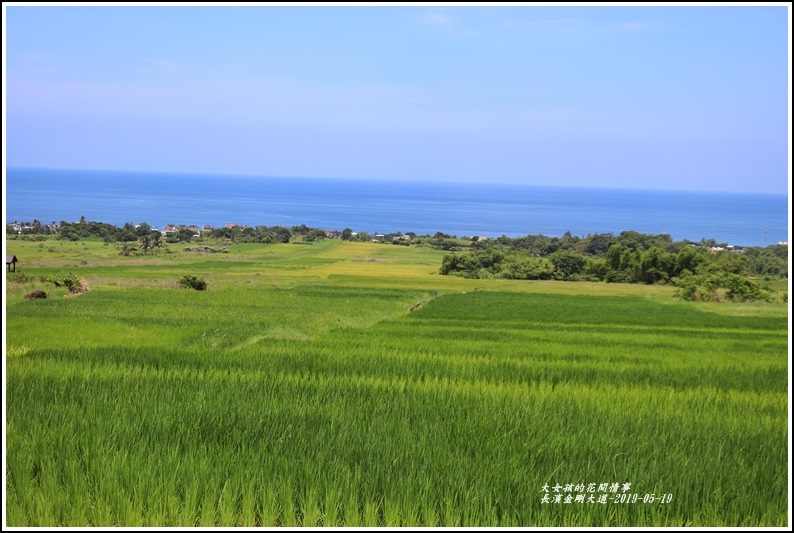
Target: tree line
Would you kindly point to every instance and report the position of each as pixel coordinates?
(700, 271)
(83, 229)
(130, 233)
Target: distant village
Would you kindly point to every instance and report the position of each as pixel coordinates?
(196, 231)
(172, 231)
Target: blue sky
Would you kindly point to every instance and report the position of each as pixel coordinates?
(656, 97)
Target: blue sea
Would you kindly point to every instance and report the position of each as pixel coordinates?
(462, 209)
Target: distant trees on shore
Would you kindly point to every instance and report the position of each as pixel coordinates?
(130, 233)
(702, 271)
(83, 229)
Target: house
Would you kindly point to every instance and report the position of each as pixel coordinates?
(21, 228)
(333, 234)
(169, 229)
(11, 262)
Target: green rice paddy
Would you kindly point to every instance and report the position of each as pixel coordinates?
(299, 390)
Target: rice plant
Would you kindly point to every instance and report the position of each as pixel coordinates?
(330, 405)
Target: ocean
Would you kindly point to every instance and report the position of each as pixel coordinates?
(461, 209)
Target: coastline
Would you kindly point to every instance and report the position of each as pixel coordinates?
(463, 209)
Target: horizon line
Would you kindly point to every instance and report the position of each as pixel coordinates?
(251, 175)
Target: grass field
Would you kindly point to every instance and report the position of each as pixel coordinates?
(348, 384)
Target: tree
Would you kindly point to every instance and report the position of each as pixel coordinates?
(70, 232)
(568, 241)
(767, 262)
(223, 233)
(724, 262)
(596, 269)
(127, 236)
(146, 244)
(127, 248)
(613, 256)
(598, 244)
(741, 289)
(314, 235)
(697, 288)
(567, 264)
(184, 235)
(157, 241)
(656, 265)
(688, 259)
(303, 229)
(526, 267)
(281, 234)
(143, 229)
(630, 265)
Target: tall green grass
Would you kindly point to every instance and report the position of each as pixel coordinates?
(333, 406)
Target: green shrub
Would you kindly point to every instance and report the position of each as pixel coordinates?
(192, 282)
(70, 281)
(18, 277)
(741, 289)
